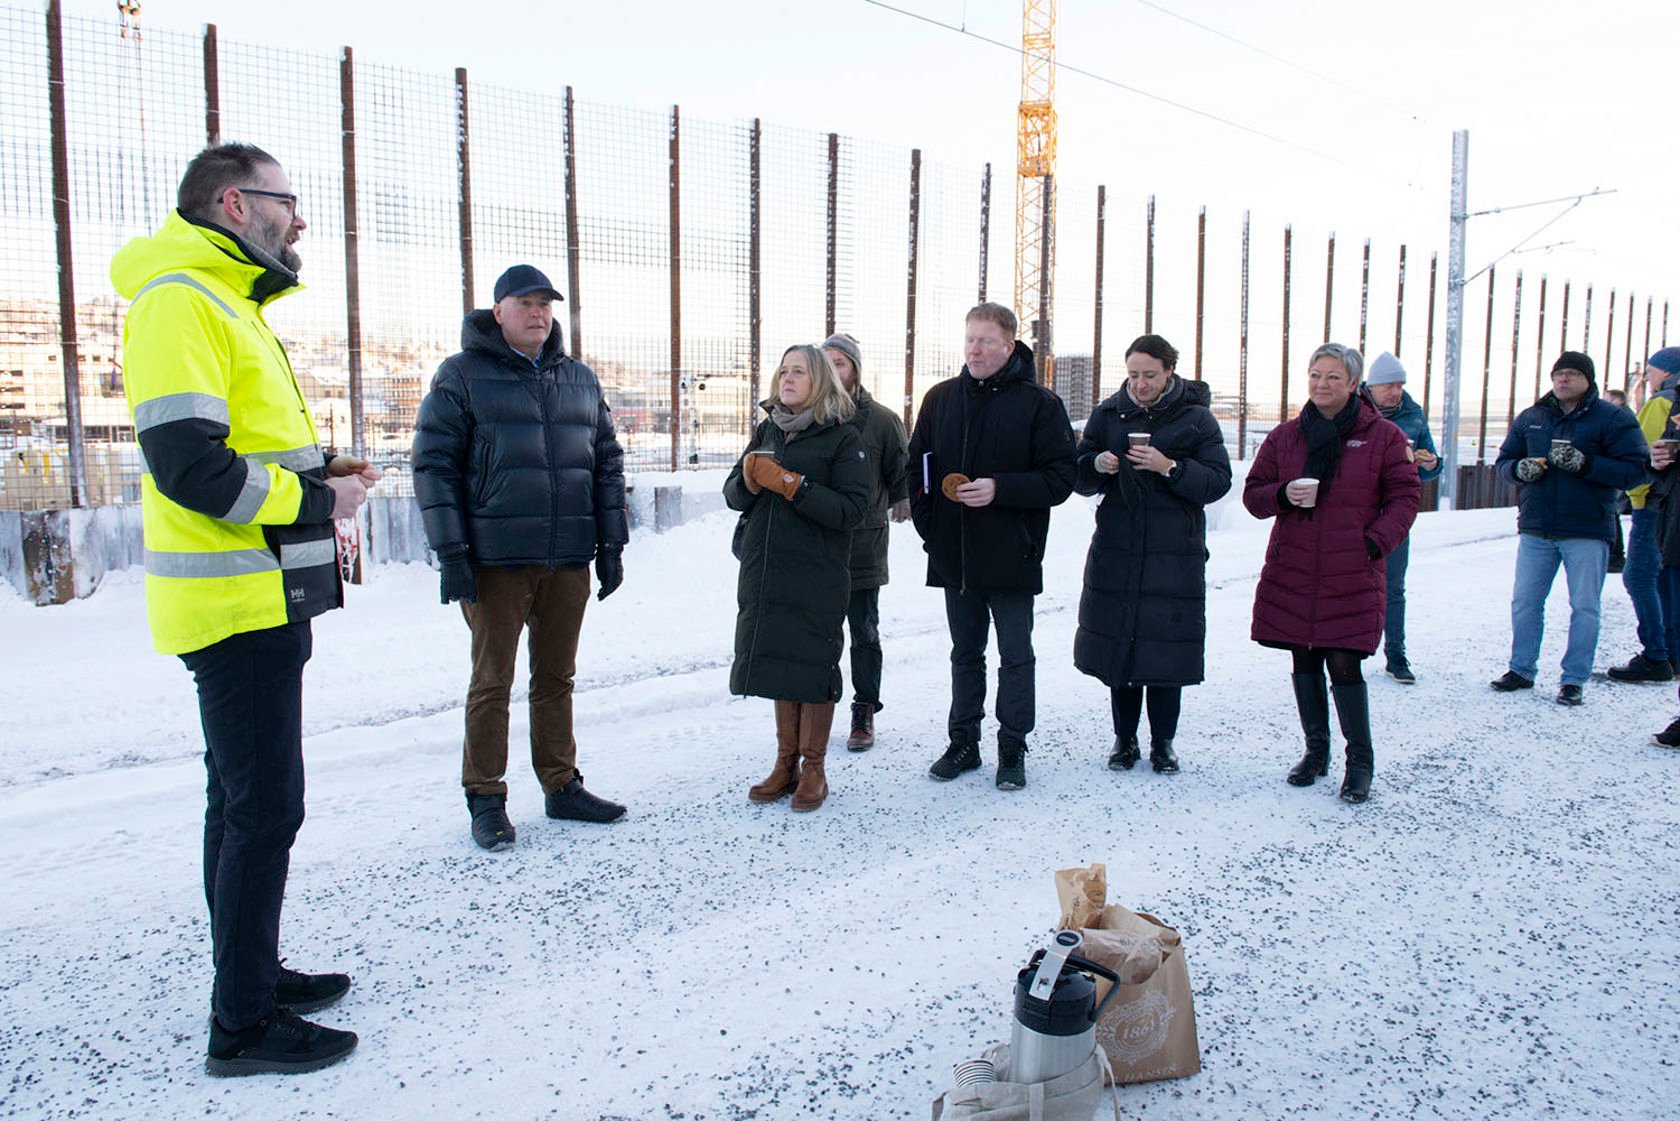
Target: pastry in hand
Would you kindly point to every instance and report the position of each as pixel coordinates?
(949, 484)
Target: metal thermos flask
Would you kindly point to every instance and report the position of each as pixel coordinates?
(1056, 1011)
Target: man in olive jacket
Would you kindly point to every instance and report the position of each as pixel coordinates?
(886, 445)
(520, 480)
(1010, 445)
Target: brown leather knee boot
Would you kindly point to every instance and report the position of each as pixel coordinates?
(785, 775)
(814, 724)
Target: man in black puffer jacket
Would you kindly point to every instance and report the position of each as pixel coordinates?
(521, 484)
(1010, 442)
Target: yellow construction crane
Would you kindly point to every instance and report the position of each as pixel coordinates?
(1035, 182)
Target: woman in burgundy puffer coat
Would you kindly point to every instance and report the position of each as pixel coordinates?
(1322, 591)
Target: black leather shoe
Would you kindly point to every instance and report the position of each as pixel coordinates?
(1401, 670)
(1161, 757)
(491, 828)
(1569, 695)
(1669, 736)
(1511, 682)
(1125, 754)
(281, 1043)
(309, 992)
(958, 758)
(573, 803)
(1641, 669)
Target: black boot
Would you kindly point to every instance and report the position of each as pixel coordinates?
(1312, 701)
(1353, 710)
(573, 803)
(1161, 757)
(490, 825)
(1126, 754)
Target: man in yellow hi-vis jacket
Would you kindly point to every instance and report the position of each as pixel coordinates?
(237, 502)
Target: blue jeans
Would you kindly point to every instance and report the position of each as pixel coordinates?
(1394, 618)
(1584, 561)
(1641, 576)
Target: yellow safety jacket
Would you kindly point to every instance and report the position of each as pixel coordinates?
(1653, 418)
(234, 501)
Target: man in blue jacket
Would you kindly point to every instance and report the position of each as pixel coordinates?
(520, 480)
(1568, 454)
(1385, 386)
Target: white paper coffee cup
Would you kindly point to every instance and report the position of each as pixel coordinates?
(1137, 439)
(1312, 491)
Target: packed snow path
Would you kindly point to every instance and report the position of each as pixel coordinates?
(1493, 936)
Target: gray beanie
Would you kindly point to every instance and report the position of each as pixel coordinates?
(846, 345)
(1386, 370)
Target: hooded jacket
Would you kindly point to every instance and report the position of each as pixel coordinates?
(1561, 504)
(233, 494)
(1409, 419)
(1143, 612)
(1320, 585)
(1652, 420)
(1006, 428)
(884, 441)
(516, 460)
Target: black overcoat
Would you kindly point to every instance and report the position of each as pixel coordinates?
(1143, 613)
(795, 564)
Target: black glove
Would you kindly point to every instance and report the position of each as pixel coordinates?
(457, 581)
(1568, 457)
(609, 569)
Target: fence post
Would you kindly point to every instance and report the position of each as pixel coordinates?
(1429, 334)
(1516, 334)
(1242, 354)
(1329, 282)
(910, 285)
(1609, 335)
(674, 182)
(1627, 352)
(69, 347)
(1540, 340)
(1650, 301)
(352, 250)
(1046, 258)
(1283, 367)
(212, 89)
(1096, 334)
(1149, 270)
(1586, 323)
(574, 252)
(1400, 302)
(755, 246)
(985, 227)
(1364, 295)
(1201, 284)
(1487, 375)
(1563, 331)
(833, 228)
(463, 187)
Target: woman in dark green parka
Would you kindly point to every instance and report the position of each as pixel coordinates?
(803, 484)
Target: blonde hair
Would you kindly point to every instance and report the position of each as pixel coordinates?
(829, 399)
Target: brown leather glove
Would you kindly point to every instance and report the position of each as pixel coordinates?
(747, 479)
(770, 475)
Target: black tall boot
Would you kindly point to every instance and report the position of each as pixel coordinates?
(1353, 710)
(1312, 701)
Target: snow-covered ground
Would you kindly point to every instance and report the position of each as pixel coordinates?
(1493, 935)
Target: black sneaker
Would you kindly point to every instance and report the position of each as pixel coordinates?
(1012, 766)
(573, 803)
(958, 758)
(309, 992)
(1569, 695)
(1642, 669)
(281, 1043)
(1511, 682)
(490, 825)
(1401, 670)
(1669, 736)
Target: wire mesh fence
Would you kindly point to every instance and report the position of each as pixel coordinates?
(690, 254)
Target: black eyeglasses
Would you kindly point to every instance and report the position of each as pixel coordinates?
(291, 201)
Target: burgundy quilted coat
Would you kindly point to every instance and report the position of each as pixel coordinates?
(1320, 585)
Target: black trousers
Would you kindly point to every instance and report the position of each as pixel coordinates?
(1126, 705)
(969, 617)
(863, 620)
(250, 701)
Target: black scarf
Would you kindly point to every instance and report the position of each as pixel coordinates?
(1325, 436)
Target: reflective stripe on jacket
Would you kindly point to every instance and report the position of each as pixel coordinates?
(234, 503)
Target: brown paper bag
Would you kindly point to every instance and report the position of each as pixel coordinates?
(1149, 1030)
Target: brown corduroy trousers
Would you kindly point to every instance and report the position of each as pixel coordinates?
(550, 603)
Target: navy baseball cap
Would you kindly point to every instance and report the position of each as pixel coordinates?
(522, 280)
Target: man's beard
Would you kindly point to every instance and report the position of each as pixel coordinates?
(272, 239)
